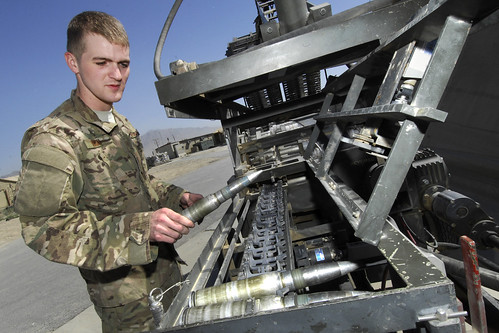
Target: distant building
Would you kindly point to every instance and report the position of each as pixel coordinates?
(157, 159)
(7, 188)
(192, 145)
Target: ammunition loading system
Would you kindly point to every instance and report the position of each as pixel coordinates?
(345, 175)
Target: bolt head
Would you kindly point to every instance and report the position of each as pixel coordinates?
(441, 314)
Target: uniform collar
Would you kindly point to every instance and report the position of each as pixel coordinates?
(89, 116)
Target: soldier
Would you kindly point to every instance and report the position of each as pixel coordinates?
(84, 196)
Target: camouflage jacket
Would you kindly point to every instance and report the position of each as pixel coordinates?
(84, 198)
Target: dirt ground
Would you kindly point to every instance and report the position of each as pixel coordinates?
(10, 230)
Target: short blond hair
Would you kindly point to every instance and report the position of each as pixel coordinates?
(98, 23)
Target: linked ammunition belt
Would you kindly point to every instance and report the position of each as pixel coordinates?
(266, 245)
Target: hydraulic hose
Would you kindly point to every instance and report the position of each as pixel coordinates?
(488, 278)
(162, 38)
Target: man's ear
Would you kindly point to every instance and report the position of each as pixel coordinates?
(72, 62)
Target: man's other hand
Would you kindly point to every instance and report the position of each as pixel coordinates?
(189, 198)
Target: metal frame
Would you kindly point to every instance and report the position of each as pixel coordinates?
(411, 131)
(310, 47)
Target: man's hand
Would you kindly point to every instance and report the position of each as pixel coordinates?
(189, 198)
(168, 226)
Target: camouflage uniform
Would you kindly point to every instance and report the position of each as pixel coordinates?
(84, 198)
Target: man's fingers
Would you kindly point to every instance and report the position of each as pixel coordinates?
(166, 235)
(177, 218)
(168, 226)
(172, 228)
(164, 239)
(162, 233)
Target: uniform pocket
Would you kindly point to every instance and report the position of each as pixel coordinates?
(45, 174)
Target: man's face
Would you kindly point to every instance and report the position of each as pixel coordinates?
(102, 72)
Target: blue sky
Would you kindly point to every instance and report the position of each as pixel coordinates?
(34, 78)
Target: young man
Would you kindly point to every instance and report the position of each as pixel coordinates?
(84, 196)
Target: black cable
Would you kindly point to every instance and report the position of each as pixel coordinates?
(481, 259)
(437, 245)
(493, 240)
(434, 240)
(450, 245)
(433, 246)
(489, 263)
(488, 278)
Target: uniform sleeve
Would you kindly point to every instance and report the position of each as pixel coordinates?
(46, 200)
(169, 195)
